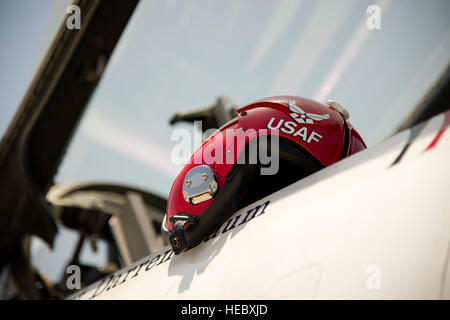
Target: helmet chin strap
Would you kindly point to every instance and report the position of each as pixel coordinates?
(230, 196)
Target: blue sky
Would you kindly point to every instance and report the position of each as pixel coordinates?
(180, 55)
(22, 24)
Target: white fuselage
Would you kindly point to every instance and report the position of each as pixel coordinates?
(360, 229)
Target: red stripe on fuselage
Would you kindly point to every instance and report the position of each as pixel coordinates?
(440, 132)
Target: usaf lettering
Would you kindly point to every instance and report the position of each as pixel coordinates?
(292, 128)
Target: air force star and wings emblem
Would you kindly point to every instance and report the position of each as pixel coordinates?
(305, 117)
(305, 133)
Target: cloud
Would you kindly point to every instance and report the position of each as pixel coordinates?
(310, 45)
(281, 18)
(417, 87)
(142, 149)
(354, 45)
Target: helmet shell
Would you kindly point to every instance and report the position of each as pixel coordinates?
(317, 128)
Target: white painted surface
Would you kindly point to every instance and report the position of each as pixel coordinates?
(321, 237)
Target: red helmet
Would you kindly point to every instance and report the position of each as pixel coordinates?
(225, 173)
